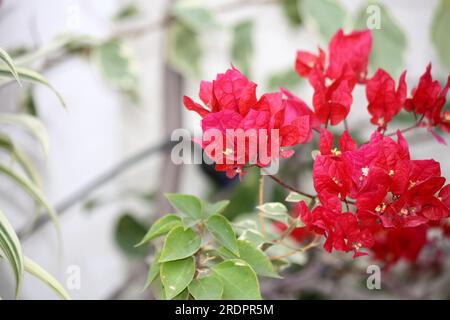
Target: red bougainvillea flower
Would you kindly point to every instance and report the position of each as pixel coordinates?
(231, 105)
(392, 245)
(333, 84)
(299, 234)
(352, 50)
(428, 97)
(384, 100)
(307, 61)
(386, 188)
(332, 101)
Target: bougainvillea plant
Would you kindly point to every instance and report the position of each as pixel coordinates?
(370, 198)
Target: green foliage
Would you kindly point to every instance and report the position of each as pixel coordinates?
(292, 12)
(176, 275)
(288, 79)
(128, 11)
(239, 280)
(187, 204)
(389, 42)
(206, 256)
(196, 17)
(4, 56)
(180, 243)
(11, 249)
(242, 46)
(221, 229)
(439, 32)
(183, 48)
(206, 288)
(128, 231)
(161, 227)
(117, 64)
(323, 16)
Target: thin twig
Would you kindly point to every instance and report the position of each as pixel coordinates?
(291, 188)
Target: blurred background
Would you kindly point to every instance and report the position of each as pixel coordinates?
(122, 68)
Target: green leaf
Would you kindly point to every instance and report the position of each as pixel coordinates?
(187, 204)
(128, 11)
(176, 275)
(288, 79)
(30, 123)
(184, 50)
(21, 158)
(183, 295)
(439, 32)
(4, 56)
(197, 18)
(33, 77)
(36, 270)
(323, 16)
(153, 271)
(180, 243)
(206, 288)
(242, 46)
(257, 259)
(128, 232)
(161, 226)
(253, 236)
(389, 42)
(292, 12)
(221, 229)
(215, 208)
(275, 211)
(11, 249)
(239, 280)
(297, 197)
(117, 64)
(33, 191)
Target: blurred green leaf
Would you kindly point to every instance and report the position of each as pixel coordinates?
(440, 32)
(239, 280)
(176, 276)
(30, 76)
(323, 16)
(160, 227)
(117, 64)
(29, 105)
(389, 42)
(37, 271)
(292, 12)
(30, 123)
(288, 79)
(221, 229)
(275, 211)
(183, 49)
(242, 46)
(11, 249)
(21, 158)
(128, 11)
(4, 56)
(33, 191)
(128, 232)
(206, 288)
(183, 295)
(180, 243)
(197, 18)
(187, 204)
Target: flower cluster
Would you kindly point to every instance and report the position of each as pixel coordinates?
(231, 104)
(371, 197)
(366, 190)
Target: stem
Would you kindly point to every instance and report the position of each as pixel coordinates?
(415, 125)
(261, 201)
(286, 186)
